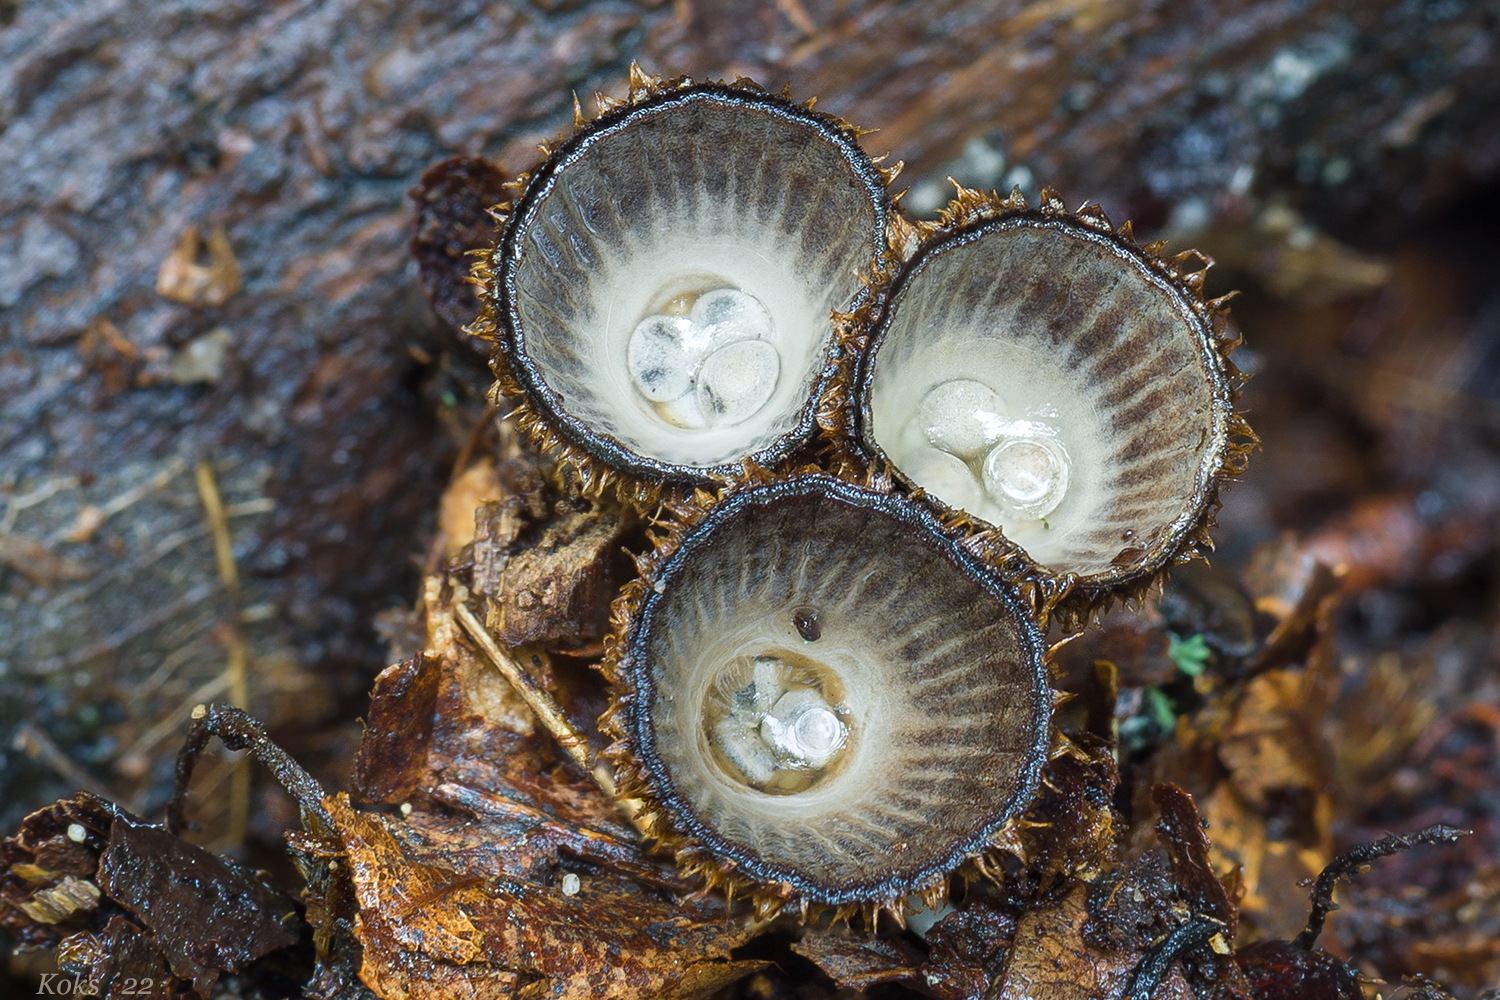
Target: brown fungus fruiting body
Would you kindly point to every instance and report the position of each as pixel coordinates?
(1061, 392)
(661, 295)
(823, 699)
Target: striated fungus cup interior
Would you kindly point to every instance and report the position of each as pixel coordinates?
(1051, 378)
(669, 274)
(832, 694)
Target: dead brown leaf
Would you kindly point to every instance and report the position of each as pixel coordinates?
(208, 916)
(60, 842)
(393, 753)
(1272, 744)
(858, 962)
(1289, 582)
(125, 902)
(109, 352)
(1051, 961)
(589, 944)
(122, 960)
(1181, 833)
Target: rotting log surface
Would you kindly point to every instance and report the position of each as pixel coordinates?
(297, 128)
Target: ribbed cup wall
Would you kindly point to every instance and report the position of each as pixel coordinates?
(705, 190)
(1082, 334)
(940, 672)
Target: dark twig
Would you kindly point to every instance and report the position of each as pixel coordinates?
(239, 730)
(1353, 861)
(1157, 962)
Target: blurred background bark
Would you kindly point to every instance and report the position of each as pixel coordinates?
(227, 413)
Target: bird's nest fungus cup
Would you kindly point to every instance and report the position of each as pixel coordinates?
(829, 685)
(827, 693)
(663, 290)
(1038, 372)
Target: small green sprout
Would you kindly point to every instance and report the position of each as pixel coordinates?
(1163, 711)
(1190, 655)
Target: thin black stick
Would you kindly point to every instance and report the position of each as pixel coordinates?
(238, 730)
(1157, 961)
(1355, 859)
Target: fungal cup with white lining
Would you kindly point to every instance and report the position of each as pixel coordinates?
(1051, 379)
(829, 692)
(669, 292)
